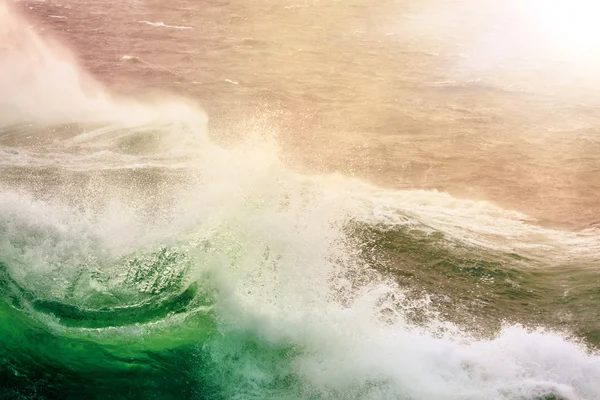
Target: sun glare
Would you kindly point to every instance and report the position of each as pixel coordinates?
(569, 25)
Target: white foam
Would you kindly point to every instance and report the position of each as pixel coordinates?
(293, 6)
(476, 223)
(163, 25)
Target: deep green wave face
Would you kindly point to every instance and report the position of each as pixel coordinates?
(101, 344)
(156, 336)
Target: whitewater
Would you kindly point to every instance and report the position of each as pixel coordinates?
(141, 257)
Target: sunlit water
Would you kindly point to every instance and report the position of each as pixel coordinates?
(298, 200)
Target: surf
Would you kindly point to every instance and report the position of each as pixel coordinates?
(187, 268)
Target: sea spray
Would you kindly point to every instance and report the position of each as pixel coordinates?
(194, 270)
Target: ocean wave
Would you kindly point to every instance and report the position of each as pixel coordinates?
(265, 274)
(241, 278)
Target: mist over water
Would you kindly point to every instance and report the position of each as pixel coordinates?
(211, 201)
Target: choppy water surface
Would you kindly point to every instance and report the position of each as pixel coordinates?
(296, 200)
